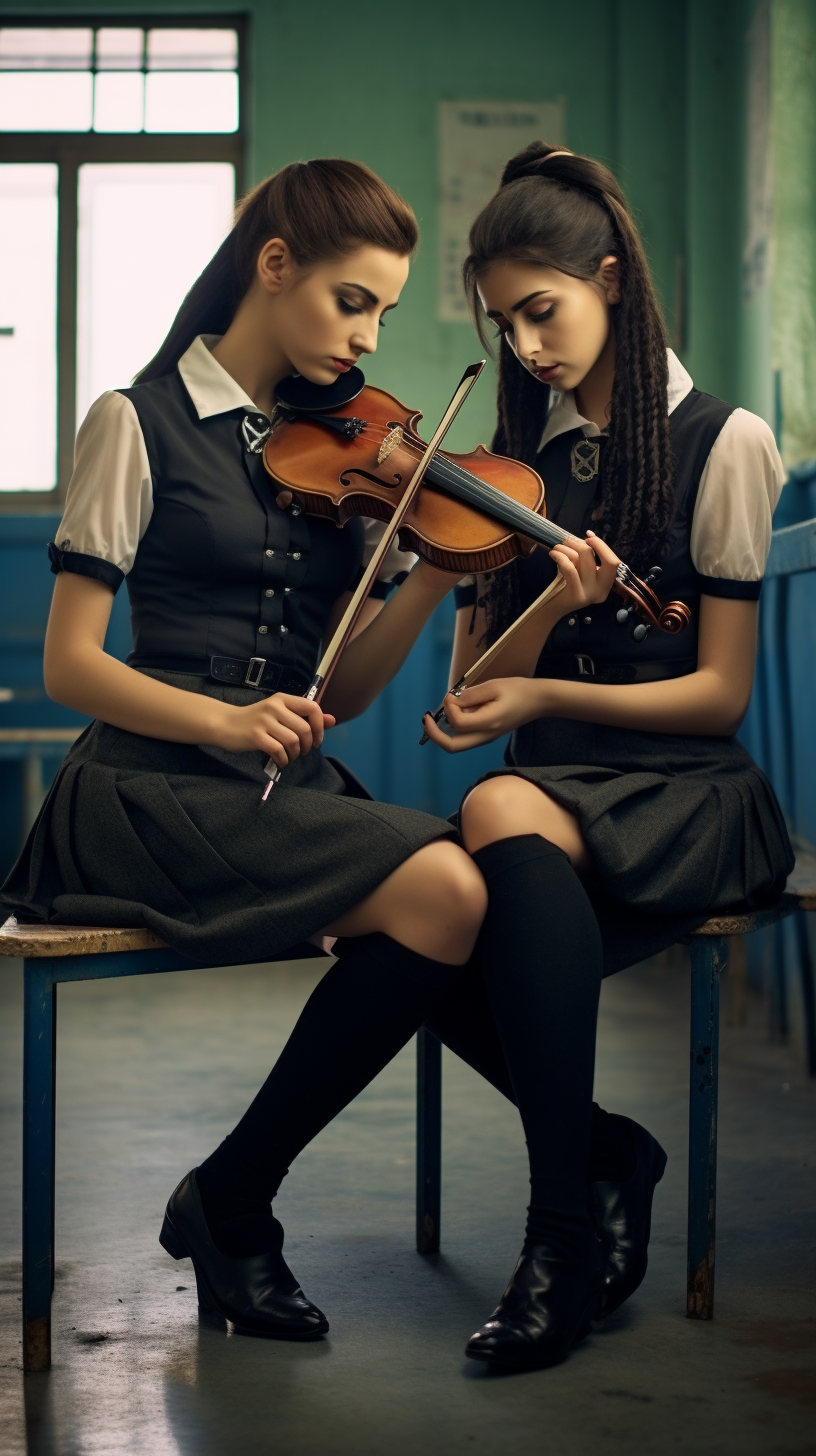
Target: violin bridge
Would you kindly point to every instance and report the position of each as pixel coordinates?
(389, 444)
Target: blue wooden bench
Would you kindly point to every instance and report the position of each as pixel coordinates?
(54, 954)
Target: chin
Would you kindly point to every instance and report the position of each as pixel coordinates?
(316, 373)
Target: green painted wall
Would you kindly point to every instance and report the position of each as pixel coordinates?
(657, 90)
(793, 84)
(365, 83)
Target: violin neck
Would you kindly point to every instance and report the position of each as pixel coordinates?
(477, 493)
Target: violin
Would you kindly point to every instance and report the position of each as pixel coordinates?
(351, 449)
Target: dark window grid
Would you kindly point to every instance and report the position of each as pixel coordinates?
(70, 150)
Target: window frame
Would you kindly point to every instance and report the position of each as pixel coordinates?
(70, 150)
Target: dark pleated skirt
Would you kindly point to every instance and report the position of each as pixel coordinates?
(678, 828)
(136, 831)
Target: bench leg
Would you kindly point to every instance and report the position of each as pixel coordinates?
(708, 959)
(808, 998)
(39, 1083)
(429, 1141)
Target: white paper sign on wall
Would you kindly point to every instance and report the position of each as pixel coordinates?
(476, 139)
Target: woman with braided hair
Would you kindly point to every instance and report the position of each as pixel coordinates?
(628, 813)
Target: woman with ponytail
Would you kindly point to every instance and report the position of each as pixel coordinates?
(155, 816)
(628, 812)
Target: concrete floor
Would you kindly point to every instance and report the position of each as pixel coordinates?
(153, 1071)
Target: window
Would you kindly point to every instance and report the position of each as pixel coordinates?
(120, 154)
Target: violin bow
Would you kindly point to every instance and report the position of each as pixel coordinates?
(348, 621)
(469, 678)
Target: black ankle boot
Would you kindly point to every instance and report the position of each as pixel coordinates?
(622, 1214)
(259, 1294)
(545, 1309)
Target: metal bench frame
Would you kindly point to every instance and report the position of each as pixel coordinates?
(55, 954)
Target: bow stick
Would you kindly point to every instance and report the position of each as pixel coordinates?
(475, 672)
(331, 656)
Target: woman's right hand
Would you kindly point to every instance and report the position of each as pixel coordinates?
(284, 727)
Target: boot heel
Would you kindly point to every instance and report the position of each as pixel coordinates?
(205, 1295)
(172, 1242)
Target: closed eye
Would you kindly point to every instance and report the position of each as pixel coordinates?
(351, 308)
(538, 318)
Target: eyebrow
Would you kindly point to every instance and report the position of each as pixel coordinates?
(499, 313)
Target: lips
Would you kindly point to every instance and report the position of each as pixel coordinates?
(547, 374)
(343, 365)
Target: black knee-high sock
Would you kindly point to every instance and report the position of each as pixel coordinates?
(464, 1023)
(540, 955)
(362, 1013)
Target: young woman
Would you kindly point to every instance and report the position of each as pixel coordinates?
(623, 773)
(155, 817)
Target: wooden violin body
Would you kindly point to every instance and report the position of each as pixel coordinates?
(474, 513)
(339, 475)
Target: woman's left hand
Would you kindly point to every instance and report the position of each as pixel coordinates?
(487, 711)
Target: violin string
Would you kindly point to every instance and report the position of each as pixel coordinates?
(380, 434)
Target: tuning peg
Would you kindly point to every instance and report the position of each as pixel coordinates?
(655, 573)
(642, 631)
(622, 615)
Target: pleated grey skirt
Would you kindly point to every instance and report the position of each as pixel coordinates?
(137, 831)
(678, 828)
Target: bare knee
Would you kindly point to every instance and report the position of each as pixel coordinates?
(499, 808)
(455, 892)
(508, 805)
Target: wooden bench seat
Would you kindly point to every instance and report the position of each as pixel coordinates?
(59, 953)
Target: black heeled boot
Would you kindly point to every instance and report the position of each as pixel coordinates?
(622, 1214)
(259, 1294)
(544, 1311)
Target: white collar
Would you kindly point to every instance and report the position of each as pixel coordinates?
(212, 390)
(564, 414)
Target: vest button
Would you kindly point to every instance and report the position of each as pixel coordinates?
(587, 620)
(262, 630)
(296, 510)
(270, 591)
(295, 555)
(570, 621)
(283, 629)
(269, 553)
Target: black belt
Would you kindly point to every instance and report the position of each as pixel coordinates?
(253, 672)
(579, 665)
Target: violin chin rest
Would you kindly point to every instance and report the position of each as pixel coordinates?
(299, 394)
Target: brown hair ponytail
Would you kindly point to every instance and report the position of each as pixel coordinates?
(321, 209)
(561, 210)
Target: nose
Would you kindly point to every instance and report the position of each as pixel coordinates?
(365, 337)
(528, 343)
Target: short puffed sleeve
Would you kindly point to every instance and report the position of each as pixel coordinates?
(731, 531)
(110, 497)
(395, 565)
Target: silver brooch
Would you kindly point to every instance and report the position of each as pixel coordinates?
(584, 457)
(256, 430)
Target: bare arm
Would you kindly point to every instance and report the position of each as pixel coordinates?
(376, 652)
(79, 673)
(711, 701)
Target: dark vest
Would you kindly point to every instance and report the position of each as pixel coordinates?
(221, 571)
(593, 640)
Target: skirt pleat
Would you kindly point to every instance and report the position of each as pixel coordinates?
(678, 828)
(136, 831)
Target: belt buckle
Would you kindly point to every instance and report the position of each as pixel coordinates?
(255, 672)
(586, 666)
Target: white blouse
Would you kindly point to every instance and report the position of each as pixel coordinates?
(110, 496)
(740, 485)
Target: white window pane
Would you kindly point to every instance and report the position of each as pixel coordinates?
(46, 100)
(146, 230)
(119, 101)
(43, 49)
(28, 326)
(119, 49)
(191, 101)
(192, 50)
